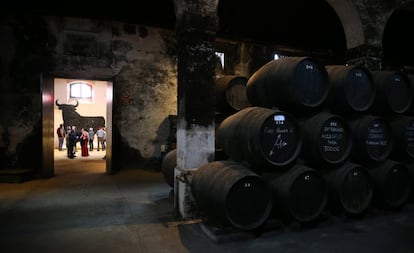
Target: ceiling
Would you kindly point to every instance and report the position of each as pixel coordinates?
(302, 24)
(398, 41)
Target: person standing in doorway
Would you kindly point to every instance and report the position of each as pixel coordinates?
(78, 134)
(84, 140)
(67, 139)
(71, 142)
(104, 139)
(60, 131)
(91, 138)
(101, 135)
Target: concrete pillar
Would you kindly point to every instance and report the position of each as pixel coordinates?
(195, 120)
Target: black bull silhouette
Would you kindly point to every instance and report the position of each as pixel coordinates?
(72, 118)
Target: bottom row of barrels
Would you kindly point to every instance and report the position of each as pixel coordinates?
(228, 193)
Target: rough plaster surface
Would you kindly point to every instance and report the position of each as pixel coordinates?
(147, 90)
(141, 60)
(197, 138)
(145, 81)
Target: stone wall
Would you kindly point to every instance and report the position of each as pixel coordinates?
(24, 53)
(140, 61)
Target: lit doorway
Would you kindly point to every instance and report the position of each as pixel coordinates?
(57, 91)
(80, 101)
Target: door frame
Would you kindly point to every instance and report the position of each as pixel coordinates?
(48, 131)
(48, 96)
(109, 130)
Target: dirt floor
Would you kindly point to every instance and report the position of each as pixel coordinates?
(82, 209)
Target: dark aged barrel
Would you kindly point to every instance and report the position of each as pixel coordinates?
(351, 89)
(300, 194)
(230, 93)
(372, 139)
(228, 193)
(327, 139)
(409, 164)
(351, 189)
(296, 84)
(394, 93)
(219, 117)
(392, 184)
(265, 138)
(410, 111)
(402, 128)
(169, 162)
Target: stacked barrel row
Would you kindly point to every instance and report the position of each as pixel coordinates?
(348, 114)
(301, 137)
(227, 192)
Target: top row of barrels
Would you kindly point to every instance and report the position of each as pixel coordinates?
(301, 85)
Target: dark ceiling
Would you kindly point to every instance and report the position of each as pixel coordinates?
(301, 24)
(398, 39)
(297, 23)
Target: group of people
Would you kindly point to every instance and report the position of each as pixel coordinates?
(85, 137)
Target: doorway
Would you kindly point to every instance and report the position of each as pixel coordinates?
(57, 91)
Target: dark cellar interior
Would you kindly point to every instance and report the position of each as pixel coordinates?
(158, 65)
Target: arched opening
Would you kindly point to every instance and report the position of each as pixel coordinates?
(397, 39)
(298, 24)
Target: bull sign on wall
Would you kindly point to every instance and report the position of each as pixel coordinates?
(73, 118)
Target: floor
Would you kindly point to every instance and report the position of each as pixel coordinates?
(81, 209)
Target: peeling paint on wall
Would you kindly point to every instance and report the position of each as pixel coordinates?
(147, 95)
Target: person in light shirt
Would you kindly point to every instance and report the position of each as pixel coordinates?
(101, 138)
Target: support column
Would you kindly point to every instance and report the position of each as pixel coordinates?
(195, 121)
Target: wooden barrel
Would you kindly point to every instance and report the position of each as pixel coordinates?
(299, 194)
(327, 139)
(409, 164)
(168, 164)
(410, 111)
(394, 93)
(219, 117)
(292, 84)
(392, 184)
(372, 139)
(350, 189)
(230, 93)
(351, 89)
(228, 193)
(402, 128)
(265, 138)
